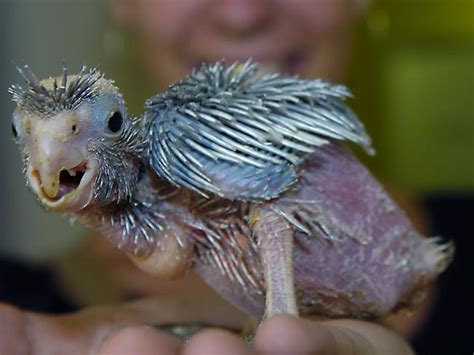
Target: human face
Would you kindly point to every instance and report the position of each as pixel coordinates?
(306, 37)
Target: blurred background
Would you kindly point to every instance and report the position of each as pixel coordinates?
(412, 75)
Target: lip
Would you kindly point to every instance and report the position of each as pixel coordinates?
(290, 63)
(75, 193)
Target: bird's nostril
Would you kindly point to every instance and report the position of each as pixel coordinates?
(74, 128)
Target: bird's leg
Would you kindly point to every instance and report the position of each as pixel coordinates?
(275, 240)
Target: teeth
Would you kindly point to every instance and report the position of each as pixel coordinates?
(71, 172)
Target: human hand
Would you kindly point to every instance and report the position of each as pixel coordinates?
(126, 329)
(278, 335)
(85, 331)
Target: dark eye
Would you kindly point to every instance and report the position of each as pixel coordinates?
(115, 122)
(14, 131)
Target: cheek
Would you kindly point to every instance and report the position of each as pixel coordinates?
(327, 26)
(320, 17)
(165, 21)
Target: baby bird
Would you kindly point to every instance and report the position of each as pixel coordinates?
(243, 176)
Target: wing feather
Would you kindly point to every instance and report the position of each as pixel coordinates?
(231, 132)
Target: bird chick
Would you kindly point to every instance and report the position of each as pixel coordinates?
(245, 177)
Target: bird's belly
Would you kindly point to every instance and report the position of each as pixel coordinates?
(344, 280)
(362, 259)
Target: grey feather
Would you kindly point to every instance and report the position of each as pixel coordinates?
(119, 165)
(67, 95)
(231, 115)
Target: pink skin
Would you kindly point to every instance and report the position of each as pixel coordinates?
(379, 264)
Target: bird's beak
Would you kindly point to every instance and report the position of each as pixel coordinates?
(59, 170)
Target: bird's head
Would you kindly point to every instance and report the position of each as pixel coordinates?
(79, 147)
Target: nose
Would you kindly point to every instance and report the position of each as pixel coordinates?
(241, 17)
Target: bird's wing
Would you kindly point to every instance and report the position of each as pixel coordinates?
(231, 132)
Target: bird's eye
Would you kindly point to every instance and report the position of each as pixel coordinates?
(14, 131)
(115, 122)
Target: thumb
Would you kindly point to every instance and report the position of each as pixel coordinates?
(289, 335)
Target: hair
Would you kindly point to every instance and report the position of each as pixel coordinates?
(68, 94)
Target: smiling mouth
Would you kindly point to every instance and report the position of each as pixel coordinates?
(291, 63)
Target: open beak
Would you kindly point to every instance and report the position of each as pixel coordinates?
(68, 189)
(60, 170)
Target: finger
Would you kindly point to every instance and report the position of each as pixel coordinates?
(215, 341)
(83, 332)
(290, 335)
(140, 340)
(286, 334)
(383, 340)
(13, 334)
